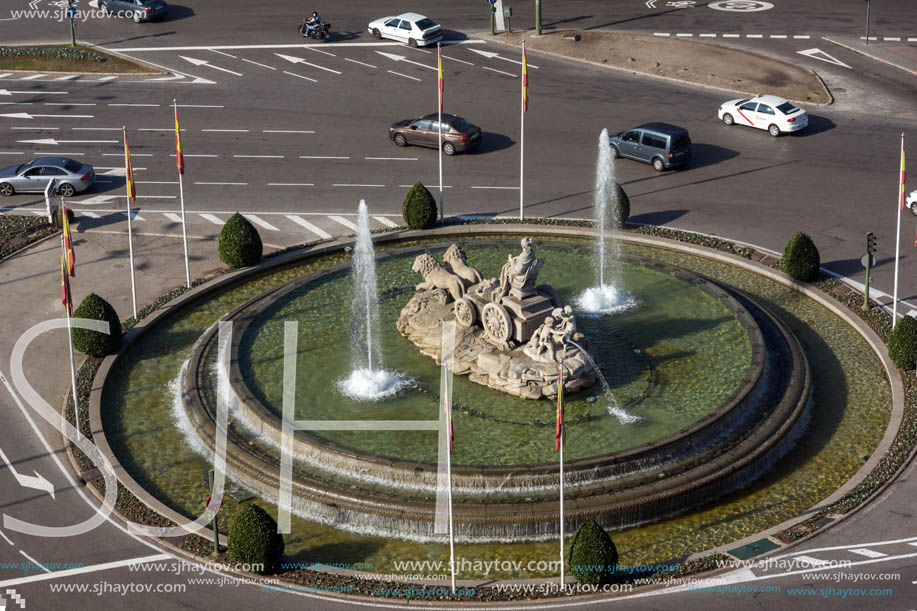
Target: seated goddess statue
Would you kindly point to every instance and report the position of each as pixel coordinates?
(521, 270)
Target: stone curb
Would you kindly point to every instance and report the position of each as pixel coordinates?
(156, 69)
(19, 251)
(867, 333)
(502, 41)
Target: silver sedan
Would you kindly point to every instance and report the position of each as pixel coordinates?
(69, 176)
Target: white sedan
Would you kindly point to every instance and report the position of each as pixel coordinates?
(414, 29)
(912, 202)
(776, 115)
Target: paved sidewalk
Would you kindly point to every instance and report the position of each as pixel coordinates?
(899, 54)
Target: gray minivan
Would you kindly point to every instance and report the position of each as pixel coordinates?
(663, 145)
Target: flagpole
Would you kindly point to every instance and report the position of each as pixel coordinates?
(563, 436)
(181, 193)
(898, 234)
(522, 135)
(76, 404)
(130, 237)
(448, 354)
(439, 95)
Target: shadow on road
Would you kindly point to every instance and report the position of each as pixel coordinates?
(491, 142)
(570, 20)
(659, 14)
(709, 154)
(850, 267)
(177, 13)
(132, 38)
(662, 217)
(816, 126)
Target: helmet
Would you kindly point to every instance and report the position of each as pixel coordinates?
(314, 14)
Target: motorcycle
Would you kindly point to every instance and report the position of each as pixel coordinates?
(322, 31)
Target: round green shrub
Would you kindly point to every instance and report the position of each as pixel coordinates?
(620, 207)
(96, 343)
(254, 540)
(239, 245)
(902, 344)
(800, 258)
(419, 207)
(593, 556)
(56, 214)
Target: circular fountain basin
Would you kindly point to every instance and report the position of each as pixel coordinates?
(733, 439)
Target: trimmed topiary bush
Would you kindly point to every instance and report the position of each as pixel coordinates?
(593, 556)
(902, 344)
(240, 245)
(253, 539)
(419, 207)
(620, 207)
(800, 258)
(96, 343)
(56, 214)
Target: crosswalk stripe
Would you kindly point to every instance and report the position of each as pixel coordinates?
(344, 222)
(260, 222)
(172, 217)
(91, 215)
(811, 561)
(211, 218)
(134, 215)
(386, 221)
(32, 78)
(867, 552)
(6, 74)
(304, 223)
(107, 78)
(67, 78)
(38, 213)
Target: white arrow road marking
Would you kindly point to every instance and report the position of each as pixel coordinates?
(651, 3)
(402, 58)
(492, 55)
(55, 142)
(299, 60)
(28, 481)
(165, 78)
(321, 233)
(344, 222)
(25, 115)
(821, 55)
(204, 62)
(260, 222)
(9, 92)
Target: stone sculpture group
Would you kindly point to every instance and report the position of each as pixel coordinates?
(511, 334)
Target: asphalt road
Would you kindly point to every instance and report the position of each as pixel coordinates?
(286, 147)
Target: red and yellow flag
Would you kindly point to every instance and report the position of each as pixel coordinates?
(179, 157)
(903, 174)
(65, 296)
(129, 172)
(525, 81)
(69, 257)
(442, 88)
(559, 426)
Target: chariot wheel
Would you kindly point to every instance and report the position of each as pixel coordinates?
(465, 314)
(498, 326)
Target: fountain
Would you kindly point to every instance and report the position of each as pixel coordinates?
(607, 297)
(365, 382)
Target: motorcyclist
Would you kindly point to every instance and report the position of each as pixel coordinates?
(314, 21)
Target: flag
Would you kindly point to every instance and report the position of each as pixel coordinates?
(65, 296)
(559, 426)
(129, 172)
(442, 87)
(179, 157)
(525, 82)
(70, 256)
(903, 174)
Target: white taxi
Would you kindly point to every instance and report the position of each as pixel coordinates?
(776, 115)
(414, 29)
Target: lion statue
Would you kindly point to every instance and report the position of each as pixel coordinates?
(457, 263)
(435, 277)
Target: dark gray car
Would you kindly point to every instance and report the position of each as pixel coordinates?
(68, 175)
(138, 10)
(660, 144)
(458, 134)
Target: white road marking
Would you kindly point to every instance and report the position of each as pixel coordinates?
(299, 60)
(811, 561)
(320, 51)
(25, 115)
(320, 157)
(300, 76)
(201, 106)
(390, 158)
(6, 74)
(862, 551)
(90, 129)
(69, 103)
(361, 63)
(257, 64)
(500, 71)
(98, 199)
(661, 34)
(187, 155)
(140, 105)
(707, 35)
(327, 45)
(156, 182)
(222, 53)
(132, 155)
(430, 183)
(386, 221)
(107, 78)
(134, 215)
(156, 196)
(260, 222)
(291, 184)
(158, 129)
(53, 153)
(16, 103)
(287, 131)
(11, 153)
(353, 185)
(492, 55)
(54, 141)
(211, 218)
(204, 62)
(224, 130)
(112, 171)
(31, 78)
(821, 55)
(35, 129)
(232, 184)
(402, 58)
(172, 217)
(86, 569)
(11, 92)
(260, 156)
(870, 38)
(892, 38)
(67, 78)
(801, 37)
(91, 215)
(404, 75)
(778, 35)
(494, 187)
(754, 36)
(304, 223)
(914, 39)
(684, 35)
(455, 59)
(730, 35)
(35, 562)
(344, 222)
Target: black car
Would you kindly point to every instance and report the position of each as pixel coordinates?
(138, 10)
(663, 145)
(458, 134)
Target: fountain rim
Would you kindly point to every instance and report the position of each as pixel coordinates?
(227, 279)
(244, 315)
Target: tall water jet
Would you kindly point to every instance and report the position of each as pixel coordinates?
(606, 297)
(368, 380)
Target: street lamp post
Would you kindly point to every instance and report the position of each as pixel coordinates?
(867, 21)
